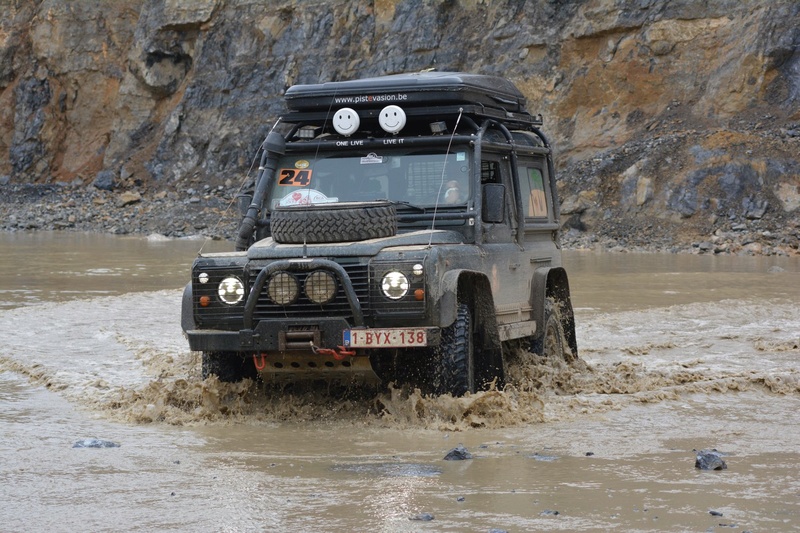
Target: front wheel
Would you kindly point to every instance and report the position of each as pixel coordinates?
(453, 360)
(552, 343)
(229, 367)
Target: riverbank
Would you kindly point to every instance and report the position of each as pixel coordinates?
(209, 211)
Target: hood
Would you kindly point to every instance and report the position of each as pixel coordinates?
(269, 249)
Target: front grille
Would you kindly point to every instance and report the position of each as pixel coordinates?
(302, 307)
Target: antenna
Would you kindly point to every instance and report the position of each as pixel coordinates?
(441, 181)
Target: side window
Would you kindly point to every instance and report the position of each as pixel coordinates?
(532, 187)
(490, 172)
(496, 175)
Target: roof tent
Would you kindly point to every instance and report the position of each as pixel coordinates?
(417, 89)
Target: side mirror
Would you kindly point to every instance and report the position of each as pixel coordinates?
(494, 203)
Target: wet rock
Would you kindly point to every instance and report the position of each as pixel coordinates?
(459, 453)
(710, 460)
(95, 443)
(715, 513)
(423, 517)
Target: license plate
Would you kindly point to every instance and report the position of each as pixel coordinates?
(385, 338)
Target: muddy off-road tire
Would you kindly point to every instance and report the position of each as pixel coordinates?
(228, 367)
(552, 344)
(453, 359)
(336, 222)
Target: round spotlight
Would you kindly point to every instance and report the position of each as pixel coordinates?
(231, 290)
(392, 119)
(282, 288)
(346, 121)
(394, 285)
(320, 287)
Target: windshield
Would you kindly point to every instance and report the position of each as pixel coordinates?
(422, 178)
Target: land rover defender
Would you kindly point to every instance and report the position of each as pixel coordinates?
(402, 228)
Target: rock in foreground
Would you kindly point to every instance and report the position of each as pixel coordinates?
(710, 460)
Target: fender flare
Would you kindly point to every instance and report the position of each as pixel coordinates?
(454, 282)
(448, 302)
(187, 309)
(553, 282)
(474, 288)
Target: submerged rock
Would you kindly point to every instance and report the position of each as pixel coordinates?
(459, 453)
(545, 458)
(391, 469)
(710, 460)
(424, 517)
(95, 443)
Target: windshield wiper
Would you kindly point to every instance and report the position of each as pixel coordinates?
(408, 204)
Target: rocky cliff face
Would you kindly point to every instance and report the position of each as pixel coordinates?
(670, 119)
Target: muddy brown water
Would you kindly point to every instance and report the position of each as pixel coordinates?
(679, 353)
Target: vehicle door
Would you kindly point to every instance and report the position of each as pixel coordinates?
(506, 264)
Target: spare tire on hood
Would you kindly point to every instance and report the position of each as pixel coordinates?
(333, 222)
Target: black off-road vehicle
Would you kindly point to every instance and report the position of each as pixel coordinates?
(403, 228)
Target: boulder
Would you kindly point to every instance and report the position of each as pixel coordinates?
(709, 460)
(459, 453)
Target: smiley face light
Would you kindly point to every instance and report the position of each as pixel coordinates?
(346, 121)
(392, 119)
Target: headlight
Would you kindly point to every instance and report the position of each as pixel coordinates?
(320, 287)
(230, 290)
(282, 288)
(394, 285)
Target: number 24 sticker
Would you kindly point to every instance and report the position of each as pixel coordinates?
(293, 176)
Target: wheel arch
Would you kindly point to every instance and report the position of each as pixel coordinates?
(554, 283)
(474, 289)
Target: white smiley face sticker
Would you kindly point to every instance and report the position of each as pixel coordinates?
(392, 118)
(346, 121)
